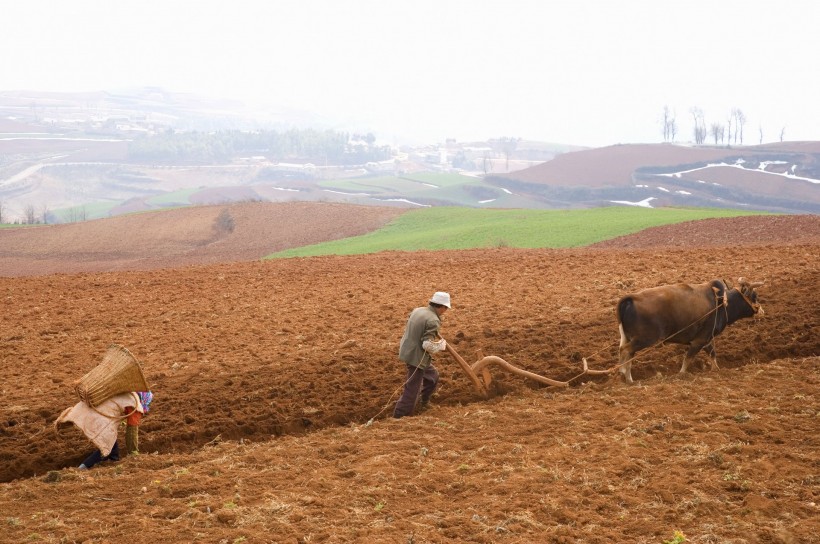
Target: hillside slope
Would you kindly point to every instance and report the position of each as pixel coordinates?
(774, 177)
(248, 231)
(61, 173)
(183, 236)
(720, 232)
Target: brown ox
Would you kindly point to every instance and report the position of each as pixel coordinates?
(682, 314)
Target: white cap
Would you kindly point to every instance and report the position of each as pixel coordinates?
(440, 297)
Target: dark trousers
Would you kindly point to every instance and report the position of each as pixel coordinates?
(96, 457)
(418, 380)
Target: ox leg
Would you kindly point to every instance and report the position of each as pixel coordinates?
(690, 354)
(625, 360)
(685, 364)
(710, 349)
(625, 353)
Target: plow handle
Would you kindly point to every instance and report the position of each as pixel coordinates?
(467, 369)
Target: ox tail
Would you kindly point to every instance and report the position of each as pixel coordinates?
(627, 315)
(626, 310)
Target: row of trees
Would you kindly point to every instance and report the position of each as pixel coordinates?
(295, 144)
(730, 132)
(31, 215)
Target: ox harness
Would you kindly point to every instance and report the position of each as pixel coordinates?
(721, 301)
(753, 305)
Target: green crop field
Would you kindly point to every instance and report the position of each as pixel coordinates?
(100, 210)
(94, 210)
(180, 197)
(467, 228)
(455, 189)
(408, 183)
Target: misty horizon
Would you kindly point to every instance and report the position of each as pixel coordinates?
(588, 74)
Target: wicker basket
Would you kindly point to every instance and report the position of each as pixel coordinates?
(119, 372)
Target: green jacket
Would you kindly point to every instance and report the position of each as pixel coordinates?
(423, 324)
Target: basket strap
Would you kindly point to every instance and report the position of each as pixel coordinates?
(116, 418)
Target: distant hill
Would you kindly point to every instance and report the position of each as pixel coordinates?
(195, 235)
(70, 157)
(782, 177)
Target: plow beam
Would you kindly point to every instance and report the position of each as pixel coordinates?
(482, 365)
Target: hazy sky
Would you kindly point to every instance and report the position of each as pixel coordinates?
(580, 72)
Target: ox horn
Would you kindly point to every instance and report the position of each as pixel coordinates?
(757, 284)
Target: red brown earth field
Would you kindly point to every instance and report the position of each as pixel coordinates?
(268, 374)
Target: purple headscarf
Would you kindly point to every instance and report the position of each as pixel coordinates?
(145, 399)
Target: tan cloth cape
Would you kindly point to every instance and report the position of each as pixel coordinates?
(100, 425)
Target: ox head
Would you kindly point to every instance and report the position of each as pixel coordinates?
(747, 290)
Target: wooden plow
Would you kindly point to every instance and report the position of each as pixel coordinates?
(479, 372)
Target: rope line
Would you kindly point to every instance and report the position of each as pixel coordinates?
(399, 388)
(718, 304)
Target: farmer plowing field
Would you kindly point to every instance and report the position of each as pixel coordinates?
(421, 340)
(419, 343)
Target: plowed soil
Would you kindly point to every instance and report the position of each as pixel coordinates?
(274, 382)
(182, 237)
